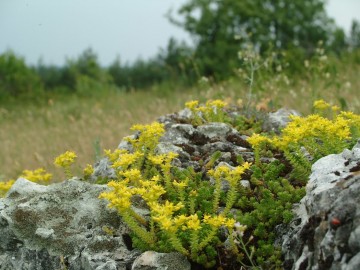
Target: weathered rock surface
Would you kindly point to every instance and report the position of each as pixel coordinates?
(278, 119)
(326, 232)
(60, 226)
(151, 260)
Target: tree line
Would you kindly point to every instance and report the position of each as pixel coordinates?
(219, 29)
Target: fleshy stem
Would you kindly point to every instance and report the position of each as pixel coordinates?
(144, 235)
(216, 194)
(176, 243)
(191, 204)
(208, 238)
(68, 172)
(230, 199)
(194, 246)
(257, 155)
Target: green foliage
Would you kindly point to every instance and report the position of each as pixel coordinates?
(215, 24)
(355, 34)
(212, 111)
(267, 204)
(16, 79)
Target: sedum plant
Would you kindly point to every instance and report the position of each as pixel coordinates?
(5, 186)
(38, 176)
(65, 161)
(306, 139)
(185, 210)
(212, 111)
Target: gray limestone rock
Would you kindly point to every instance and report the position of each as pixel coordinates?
(213, 130)
(103, 169)
(325, 231)
(278, 120)
(58, 226)
(151, 260)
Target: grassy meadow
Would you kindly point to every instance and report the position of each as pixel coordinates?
(32, 135)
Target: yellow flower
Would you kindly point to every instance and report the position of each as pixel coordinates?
(165, 223)
(257, 139)
(38, 175)
(149, 136)
(216, 221)
(219, 171)
(133, 175)
(321, 105)
(155, 178)
(192, 104)
(230, 223)
(158, 159)
(5, 186)
(179, 185)
(112, 156)
(239, 170)
(170, 156)
(127, 159)
(180, 220)
(216, 103)
(166, 209)
(150, 192)
(88, 170)
(66, 159)
(335, 109)
(119, 197)
(193, 222)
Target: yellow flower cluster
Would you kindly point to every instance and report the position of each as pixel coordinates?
(119, 197)
(126, 159)
(150, 135)
(180, 185)
(256, 139)
(217, 103)
(66, 159)
(115, 155)
(150, 190)
(321, 105)
(88, 170)
(5, 186)
(37, 176)
(219, 220)
(211, 112)
(232, 175)
(314, 126)
(212, 106)
(192, 104)
(131, 175)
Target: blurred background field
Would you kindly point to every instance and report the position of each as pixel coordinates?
(85, 107)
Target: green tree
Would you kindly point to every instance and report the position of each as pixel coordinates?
(84, 74)
(17, 80)
(355, 34)
(213, 25)
(177, 58)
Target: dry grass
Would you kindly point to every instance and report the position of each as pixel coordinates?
(31, 136)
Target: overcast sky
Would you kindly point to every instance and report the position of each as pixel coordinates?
(56, 30)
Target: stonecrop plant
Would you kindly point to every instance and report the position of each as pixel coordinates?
(212, 111)
(65, 161)
(5, 186)
(39, 176)
(184, 209)
(306, 139)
